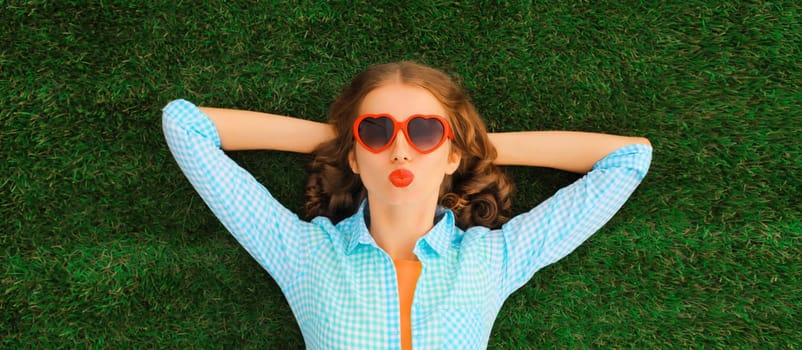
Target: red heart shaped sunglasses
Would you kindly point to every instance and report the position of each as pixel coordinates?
(376, 132)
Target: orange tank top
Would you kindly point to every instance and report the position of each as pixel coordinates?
(407, 273)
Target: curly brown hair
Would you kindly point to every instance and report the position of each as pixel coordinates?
(478, 192)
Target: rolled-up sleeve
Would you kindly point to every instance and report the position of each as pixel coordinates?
(560, 224)
(270, 233)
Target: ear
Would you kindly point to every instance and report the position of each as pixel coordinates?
(352, 161)
(454, 158)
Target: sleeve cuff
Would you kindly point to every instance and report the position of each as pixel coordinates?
(637, 157)
(186, 114)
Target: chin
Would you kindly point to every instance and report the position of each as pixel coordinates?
(408, 196)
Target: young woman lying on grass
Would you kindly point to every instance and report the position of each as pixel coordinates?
(407, 246)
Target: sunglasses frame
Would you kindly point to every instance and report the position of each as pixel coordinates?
(402, 126)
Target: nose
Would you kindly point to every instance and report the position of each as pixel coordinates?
(401, 150)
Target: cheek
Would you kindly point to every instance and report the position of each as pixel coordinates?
(444, 157)
(363, 162)
(366, 164)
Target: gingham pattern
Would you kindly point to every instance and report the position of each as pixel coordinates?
(342, 287)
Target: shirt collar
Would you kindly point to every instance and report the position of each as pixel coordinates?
(438, 238)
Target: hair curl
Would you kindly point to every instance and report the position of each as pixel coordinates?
(478, 192)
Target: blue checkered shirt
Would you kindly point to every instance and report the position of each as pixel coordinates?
(342, 287)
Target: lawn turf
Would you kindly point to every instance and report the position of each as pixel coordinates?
(105, 244)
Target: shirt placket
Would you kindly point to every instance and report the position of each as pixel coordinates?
(425, 297)
(394, 308)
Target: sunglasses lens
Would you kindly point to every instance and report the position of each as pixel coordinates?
(426, 133)
(376, 133)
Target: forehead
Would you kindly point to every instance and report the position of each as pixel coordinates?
(401, 101)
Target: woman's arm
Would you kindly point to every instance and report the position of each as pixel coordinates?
(267, 230)
(247, 130)
(555, 227)
(565, 150)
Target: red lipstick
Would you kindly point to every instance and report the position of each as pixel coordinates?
(401, 177)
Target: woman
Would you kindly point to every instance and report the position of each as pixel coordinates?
(405, 249)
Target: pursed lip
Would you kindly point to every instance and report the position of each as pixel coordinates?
(401, 177)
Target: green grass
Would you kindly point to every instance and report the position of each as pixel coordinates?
(105, 244)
